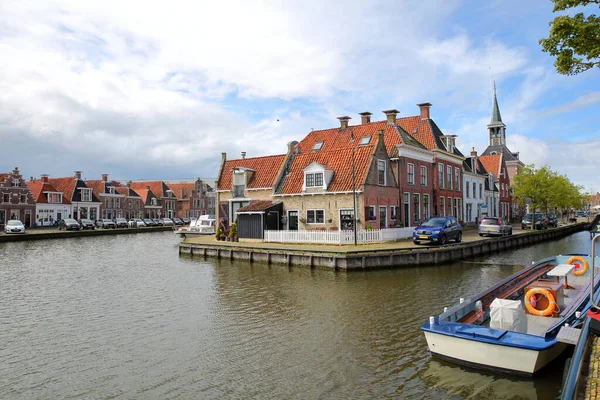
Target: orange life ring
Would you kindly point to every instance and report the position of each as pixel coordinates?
(581, 267)
(534, 311)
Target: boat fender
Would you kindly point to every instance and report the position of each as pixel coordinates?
(581, 266)
(531, 308)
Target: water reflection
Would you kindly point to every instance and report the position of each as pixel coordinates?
(126, 317)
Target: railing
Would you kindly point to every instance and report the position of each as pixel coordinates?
(337, 237)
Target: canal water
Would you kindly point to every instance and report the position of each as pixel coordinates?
(126, 317)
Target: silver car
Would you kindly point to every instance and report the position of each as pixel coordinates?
(494, 226)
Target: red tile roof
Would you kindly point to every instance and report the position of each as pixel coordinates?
(419, 129)
(3, 177)
(97, 186)
(182, 190)
(491, 163)
(155, 186)
(64, 185)
(258, 205)
(38, 187)
(266, 169)
(339, 161)
(336, 138)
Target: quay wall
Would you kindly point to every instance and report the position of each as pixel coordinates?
(373, 259)
(55, 234)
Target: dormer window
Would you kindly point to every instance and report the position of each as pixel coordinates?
(54, 197)
(314, 179)
(365, 140)
(86, 194)
(111, 190)
(15, 182)
(239, 183)
(317, 146)
(153, 201)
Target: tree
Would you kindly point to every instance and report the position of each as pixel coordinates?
(546, 190)
(573, 40)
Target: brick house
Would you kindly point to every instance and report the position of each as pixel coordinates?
(446, 164)
(133, 205)
(112, 201)
(51, 205)
(85, 204)
(192, 199)
(324, 183)
(475, 181)
(159, 202)
(16, 199)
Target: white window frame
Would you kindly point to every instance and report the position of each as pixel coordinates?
(423, 170)
(426, 206)
(449, 176)
(86, 194)
(442, 207)
(457, 178)
(381, 163)
(314, 179)
(441, 175)
(417, 211)
(364, 140)
(314, 211)
(318, 145)
(410, 173)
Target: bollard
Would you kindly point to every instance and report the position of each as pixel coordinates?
(431, 321)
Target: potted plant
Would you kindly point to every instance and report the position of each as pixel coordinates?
(218, 233)
(232, 232)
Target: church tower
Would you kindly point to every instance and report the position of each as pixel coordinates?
(496, 128)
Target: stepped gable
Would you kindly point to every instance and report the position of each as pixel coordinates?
(265, 171)
(339, 161)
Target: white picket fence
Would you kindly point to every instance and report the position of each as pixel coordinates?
(337, 237)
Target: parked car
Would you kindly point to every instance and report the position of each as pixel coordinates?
(157, 221)
(552, 220)
(167, 221)
(494, 226)
(148, 222)
(68, 224)
(14, 226)
(186, 220)
(136, 223)
(121, 223)
(540, 222)
(87, 224)
(177, 221)
(105, 223)
(438, 229)
(580, 213)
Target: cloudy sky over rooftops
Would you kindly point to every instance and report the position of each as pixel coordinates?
(157, 90)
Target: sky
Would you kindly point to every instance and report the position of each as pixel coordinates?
(158, 90)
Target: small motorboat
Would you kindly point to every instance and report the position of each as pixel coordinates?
(521, 324)
(204, 225)
(581, 380)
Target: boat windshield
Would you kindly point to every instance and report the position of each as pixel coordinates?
(434, 222)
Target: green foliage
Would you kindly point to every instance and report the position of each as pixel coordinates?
(573, 40)
(232, 230)
(368, 227)
(546, 190)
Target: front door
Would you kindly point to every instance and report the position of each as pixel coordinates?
(28, 218)
(293, 220)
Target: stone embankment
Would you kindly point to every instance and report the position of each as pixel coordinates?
(383, 255)
(43, 234)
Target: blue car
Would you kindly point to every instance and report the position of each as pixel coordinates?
(438, 230)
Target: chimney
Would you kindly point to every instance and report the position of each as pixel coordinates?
(365, 117)
(77, 174)
(391, 116)
(44, 178)
(344, 121)
(473, 152)
(292, 146)
(31, 178)
(243, 154)
(128, 184)
(223, 158)
(148, 188)
(424, 107)
(105, 177)
(181, 193)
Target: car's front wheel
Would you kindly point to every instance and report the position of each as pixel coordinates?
(443, 239)
(416, 242)
(459, 237)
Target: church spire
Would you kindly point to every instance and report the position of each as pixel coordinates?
(496, 117)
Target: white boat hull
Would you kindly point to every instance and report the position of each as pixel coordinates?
(491, 356)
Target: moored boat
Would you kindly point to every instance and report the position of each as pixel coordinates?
(521, 324)
(203, 225)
